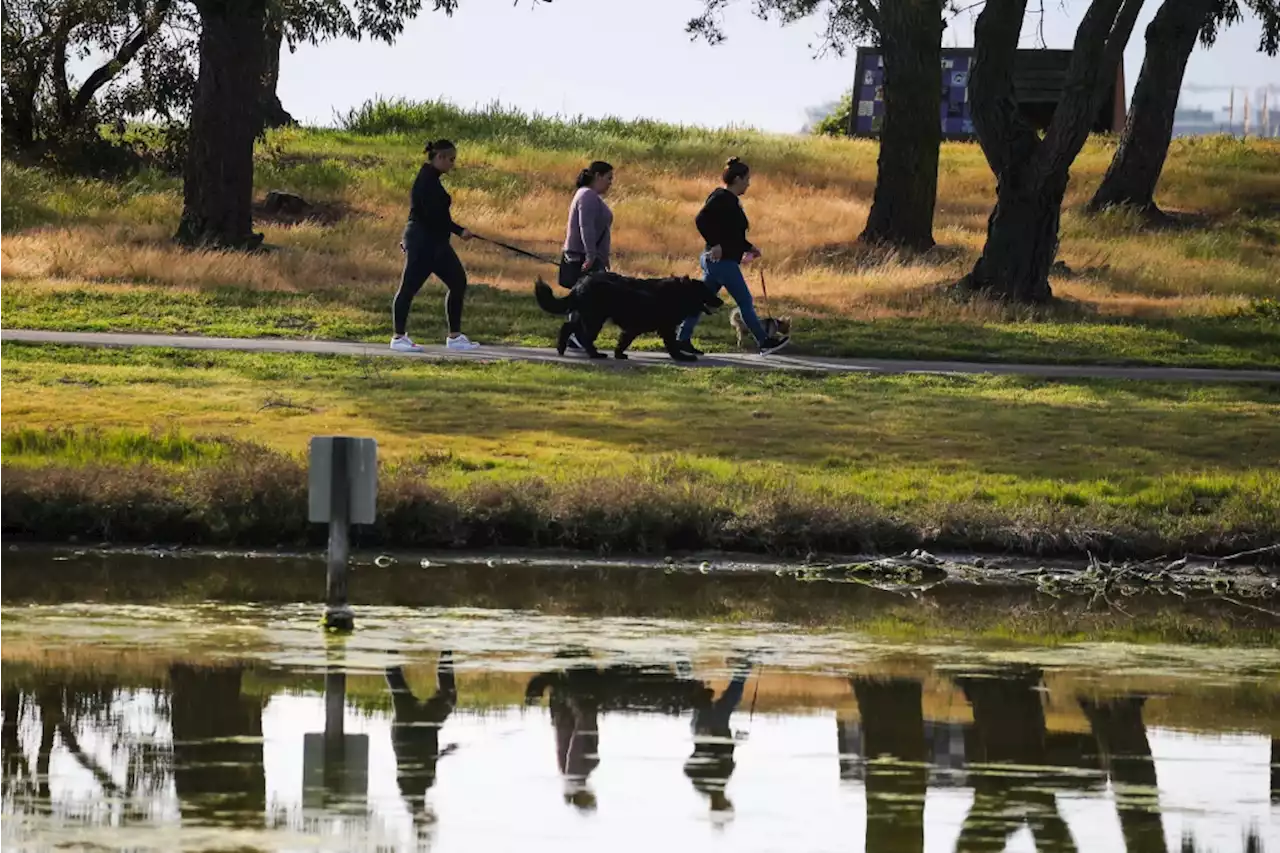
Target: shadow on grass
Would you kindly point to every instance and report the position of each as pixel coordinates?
(877, 428)
(1068, 332)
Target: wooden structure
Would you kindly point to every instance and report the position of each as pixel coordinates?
(1039, 76)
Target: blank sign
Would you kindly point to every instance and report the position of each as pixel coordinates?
(361, 475)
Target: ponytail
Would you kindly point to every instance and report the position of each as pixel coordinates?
(733, 170)
(588, 175)
(436, 146)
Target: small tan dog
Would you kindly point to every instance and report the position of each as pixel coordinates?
(773, 326)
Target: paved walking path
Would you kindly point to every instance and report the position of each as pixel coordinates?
(778, 361)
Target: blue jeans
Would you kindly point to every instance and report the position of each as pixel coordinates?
(726, 274)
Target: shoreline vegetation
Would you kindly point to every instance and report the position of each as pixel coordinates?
(534, 456)
(648, 462)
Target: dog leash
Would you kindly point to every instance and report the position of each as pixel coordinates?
(517, 250)
(764, 293)
(509, 248)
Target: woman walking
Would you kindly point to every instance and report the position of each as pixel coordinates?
(588, 232)
(723, 226)
(427, 250)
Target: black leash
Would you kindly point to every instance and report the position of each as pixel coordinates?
(509, 248)
(516, 249)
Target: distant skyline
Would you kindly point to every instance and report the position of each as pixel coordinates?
(633, 59)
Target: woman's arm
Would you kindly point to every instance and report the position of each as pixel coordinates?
(590, 225)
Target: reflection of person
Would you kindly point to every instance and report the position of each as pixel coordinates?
(711, 764)
(415, 731)
(581, 692)
(577, 722)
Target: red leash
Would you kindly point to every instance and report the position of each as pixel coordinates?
(764, 292)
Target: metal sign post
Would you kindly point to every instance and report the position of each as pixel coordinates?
(335, 764)
(342, 490)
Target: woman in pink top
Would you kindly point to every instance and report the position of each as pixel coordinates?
(587, 234)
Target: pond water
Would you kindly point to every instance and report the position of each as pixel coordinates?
(217, 725)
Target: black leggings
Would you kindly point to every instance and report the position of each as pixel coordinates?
(424, 256)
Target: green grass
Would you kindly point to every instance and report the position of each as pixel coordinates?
(535, 455)
(94, 255)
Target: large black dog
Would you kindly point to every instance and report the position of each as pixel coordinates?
(635, 305)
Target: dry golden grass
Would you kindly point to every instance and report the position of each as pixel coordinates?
(808, 202)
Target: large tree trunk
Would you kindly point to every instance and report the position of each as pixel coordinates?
(1032, 173)
(23, 69)
(1022, 240)
(1122, 741)
(1009, 728)
(273, 112)
(217, 208)
(907, 176)
(892, 713)
(1171, 36)
(218, 771)
(1275, 770)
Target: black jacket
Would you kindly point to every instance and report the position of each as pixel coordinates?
(722, 222)
(429, 204)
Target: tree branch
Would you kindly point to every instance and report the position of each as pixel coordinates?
(105, 72)
(1100, 42)
(870, 12)
(61, 88)
(100, 775)
(1002, 131)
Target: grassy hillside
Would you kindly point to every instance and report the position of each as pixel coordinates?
(140, 446)
(96, 255)
(206, 448)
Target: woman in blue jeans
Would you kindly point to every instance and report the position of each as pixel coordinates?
(723, 226)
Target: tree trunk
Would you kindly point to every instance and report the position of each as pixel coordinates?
(1275, 770)
(907, 170)
(273, 112)
(1135, 169)
(218, 771)
(1032, 173)
(23, 69)
(892, 714)
(1022, 241)
(1009, 728)
(217, 209)
(1121, 734)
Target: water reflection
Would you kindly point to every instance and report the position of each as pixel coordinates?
(711, 764)
(217, 745)
(415, 733)
(1012, 757)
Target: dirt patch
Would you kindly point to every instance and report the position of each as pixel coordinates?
(317, 212)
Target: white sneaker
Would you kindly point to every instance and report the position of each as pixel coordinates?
(461, 342)
(401, 343)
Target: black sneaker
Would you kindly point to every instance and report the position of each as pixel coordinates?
(572, 343)
(774, 344)
(688, 347)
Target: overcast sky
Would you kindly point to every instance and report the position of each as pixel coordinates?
(632, 58)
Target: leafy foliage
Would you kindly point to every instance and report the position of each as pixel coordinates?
(836, 122)
(1229, 12)
(847, 21)
(149, 51)
(144, 48)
